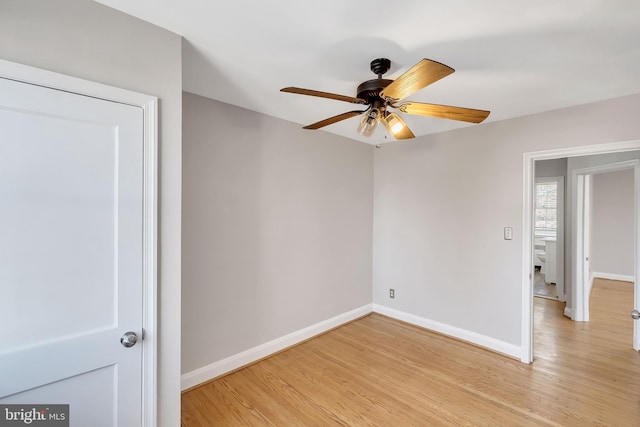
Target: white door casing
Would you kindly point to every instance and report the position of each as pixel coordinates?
(77, 246)
(582, 246)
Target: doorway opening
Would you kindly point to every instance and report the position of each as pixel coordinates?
(585, 227)
(548, 231)
(528, 238)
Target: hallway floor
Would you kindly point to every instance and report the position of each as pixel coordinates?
(542, 289)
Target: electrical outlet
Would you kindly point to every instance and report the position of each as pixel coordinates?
(392, 293)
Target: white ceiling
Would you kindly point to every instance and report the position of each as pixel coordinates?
(512, 57)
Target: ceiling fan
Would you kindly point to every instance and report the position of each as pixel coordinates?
(378, 94)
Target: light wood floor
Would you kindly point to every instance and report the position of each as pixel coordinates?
(378, 371)
(542, 289)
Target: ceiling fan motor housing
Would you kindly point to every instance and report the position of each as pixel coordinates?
(371, 89)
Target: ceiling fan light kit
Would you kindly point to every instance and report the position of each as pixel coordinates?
(378, 94)
(397, 127)
(368, 123)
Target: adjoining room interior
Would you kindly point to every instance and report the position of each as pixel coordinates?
(609, 286)
(328, 277)
(612, 205)
(549, 235)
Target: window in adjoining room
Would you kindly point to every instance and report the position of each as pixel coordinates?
(546, 214)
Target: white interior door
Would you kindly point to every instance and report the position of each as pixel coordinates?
(71, 230)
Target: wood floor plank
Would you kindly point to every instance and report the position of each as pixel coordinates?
(378, 371)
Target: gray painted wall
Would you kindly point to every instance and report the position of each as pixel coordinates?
(277, 229)
(85, 39)
(441, 202)
(612, 223)
(551, 168)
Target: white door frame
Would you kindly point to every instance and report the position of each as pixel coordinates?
(581, 243)
(149, 106)
(526, 347)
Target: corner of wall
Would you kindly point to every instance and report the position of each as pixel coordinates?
(493, 344)
(252, 355)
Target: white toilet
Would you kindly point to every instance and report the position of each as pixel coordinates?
(541, 255)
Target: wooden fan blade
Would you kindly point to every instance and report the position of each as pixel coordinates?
(443, 111)
(334, 119)
(397, 127)
(418, 77)
(301, 91)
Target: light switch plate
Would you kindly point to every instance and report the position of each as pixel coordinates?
(508, 233)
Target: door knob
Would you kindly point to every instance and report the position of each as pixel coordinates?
(129, 339)
(635, 314)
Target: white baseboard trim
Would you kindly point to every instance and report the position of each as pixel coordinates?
(568, 312)
(254, 354)
(613, 276)
(452, 331)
